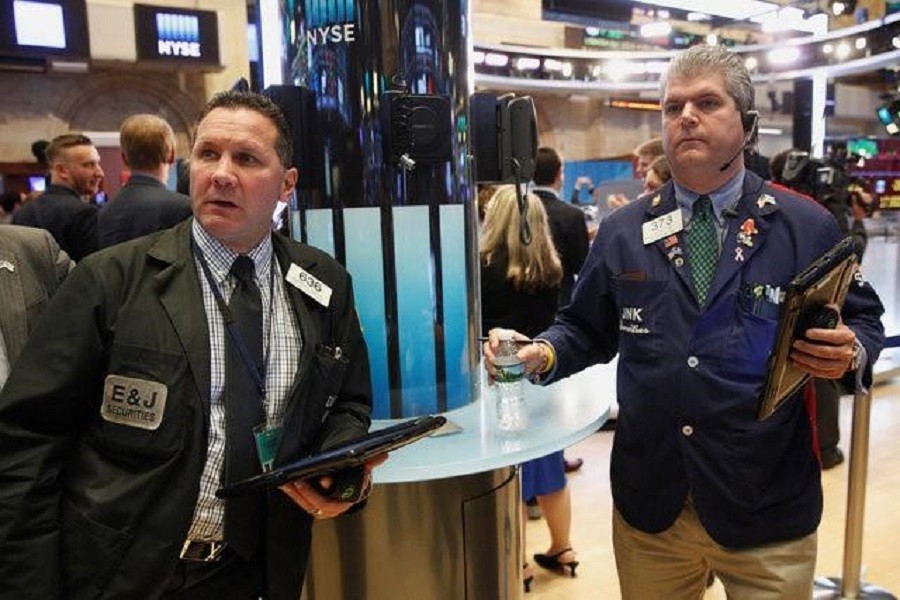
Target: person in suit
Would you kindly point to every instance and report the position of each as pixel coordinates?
(567, 226)
(75, 171)
(32, 265)
(133, 403)
(685, 285)
(143, 205)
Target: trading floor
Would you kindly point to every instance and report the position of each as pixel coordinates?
(592, 503)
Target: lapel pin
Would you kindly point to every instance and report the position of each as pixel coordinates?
(739, 254)
(656, 201)
(748, 230)
(670, 241)
(765, 199)
(5, 264)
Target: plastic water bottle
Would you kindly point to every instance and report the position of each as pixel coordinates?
(511, 412)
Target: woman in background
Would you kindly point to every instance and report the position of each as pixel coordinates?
(657, 174)
(519, 287)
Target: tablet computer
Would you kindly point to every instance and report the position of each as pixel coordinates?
(347, 455)
(825, 281)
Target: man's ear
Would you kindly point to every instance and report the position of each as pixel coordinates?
(288, 183)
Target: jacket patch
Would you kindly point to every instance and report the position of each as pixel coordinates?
(133, 402)
(632, 320)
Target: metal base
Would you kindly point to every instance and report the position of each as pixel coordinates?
(829, 588)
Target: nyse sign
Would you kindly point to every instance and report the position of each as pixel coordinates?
(336, 34)
(170, 48)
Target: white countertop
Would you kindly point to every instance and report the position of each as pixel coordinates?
(558, 416)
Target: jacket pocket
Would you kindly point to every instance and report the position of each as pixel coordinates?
(142, 414)
(640, 328)
(326, 377)
(90, 553)
(748, 347)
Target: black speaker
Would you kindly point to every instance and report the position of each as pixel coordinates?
(416, 127)
(504, 137)
(299, 107)
(802, 122)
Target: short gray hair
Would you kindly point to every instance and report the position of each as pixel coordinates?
(701, 60)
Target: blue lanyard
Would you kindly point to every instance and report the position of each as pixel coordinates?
(236, 337)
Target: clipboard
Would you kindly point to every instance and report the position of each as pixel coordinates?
(825, 281)
(348, 455)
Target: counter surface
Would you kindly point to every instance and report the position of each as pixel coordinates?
(558, 416)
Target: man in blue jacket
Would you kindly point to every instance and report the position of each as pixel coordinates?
(685, 285)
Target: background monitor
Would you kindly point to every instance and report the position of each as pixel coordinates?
(862, 147)
(37, 183)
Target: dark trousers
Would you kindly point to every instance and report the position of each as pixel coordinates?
(828, 396)
(229, 578)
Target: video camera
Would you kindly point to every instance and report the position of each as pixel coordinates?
(825, 180)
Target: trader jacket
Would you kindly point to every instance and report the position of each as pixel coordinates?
(94, 509)
(689, 377)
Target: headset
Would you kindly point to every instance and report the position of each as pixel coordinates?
(749, 121)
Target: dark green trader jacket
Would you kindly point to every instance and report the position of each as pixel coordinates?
(94, 509)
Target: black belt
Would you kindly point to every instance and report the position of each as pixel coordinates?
(204, 552)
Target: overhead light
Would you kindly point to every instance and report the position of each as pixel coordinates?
(784, 55)
(527, 63)
(656, 30)
(698, 16)
(592, 31)
(827, 48)
(896, 42)
(551, 64)
(712, 39)
(770, 131)
(843, 7)
(860, 43)
(842, 51)
(478, 57)
(751, 63)
(495, 59)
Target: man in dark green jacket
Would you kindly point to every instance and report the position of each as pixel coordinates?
(114, 422)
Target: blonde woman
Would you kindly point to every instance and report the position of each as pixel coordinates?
(519, 290)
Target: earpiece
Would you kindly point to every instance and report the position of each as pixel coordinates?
(749, 120)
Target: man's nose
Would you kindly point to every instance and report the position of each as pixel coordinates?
(222, 174)
(688, 114)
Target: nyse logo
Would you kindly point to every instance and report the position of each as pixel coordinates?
(337, 33)
(178, 35)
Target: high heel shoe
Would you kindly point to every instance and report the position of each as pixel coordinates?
(551, 561)
(527, 577)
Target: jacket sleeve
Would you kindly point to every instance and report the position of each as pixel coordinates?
(51, 388)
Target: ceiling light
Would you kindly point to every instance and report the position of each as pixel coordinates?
(527, 63)
(827, 49)
(896, 42)
(698, 16)
(770, 131)
(860, 43)
(567, 69)
(784, 55)
(493, 59)
(551, 64)
(712, 40)
(842, 51)
(751, 63)
(478, 57)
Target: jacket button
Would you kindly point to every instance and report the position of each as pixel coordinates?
(687, 430)
(693, 361)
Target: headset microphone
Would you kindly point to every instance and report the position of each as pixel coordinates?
(749, 120)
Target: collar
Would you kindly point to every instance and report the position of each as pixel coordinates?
(545, 188)
(724, 199)
(64, 189)
(220, 256)
(144, 179)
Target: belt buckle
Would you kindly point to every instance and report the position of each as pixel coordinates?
(205, 552)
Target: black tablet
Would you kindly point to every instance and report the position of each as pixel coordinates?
(349, 454)
(825, 281)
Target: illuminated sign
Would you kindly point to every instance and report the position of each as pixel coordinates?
(176, 35)
(633, 104)
(330, 22)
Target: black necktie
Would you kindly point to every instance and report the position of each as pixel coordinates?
(244, 515)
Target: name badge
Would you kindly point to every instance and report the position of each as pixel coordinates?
(662, 227)
(133, 402)
(309, 285)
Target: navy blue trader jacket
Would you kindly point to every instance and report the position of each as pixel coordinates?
(689, 378)
(92, 508)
